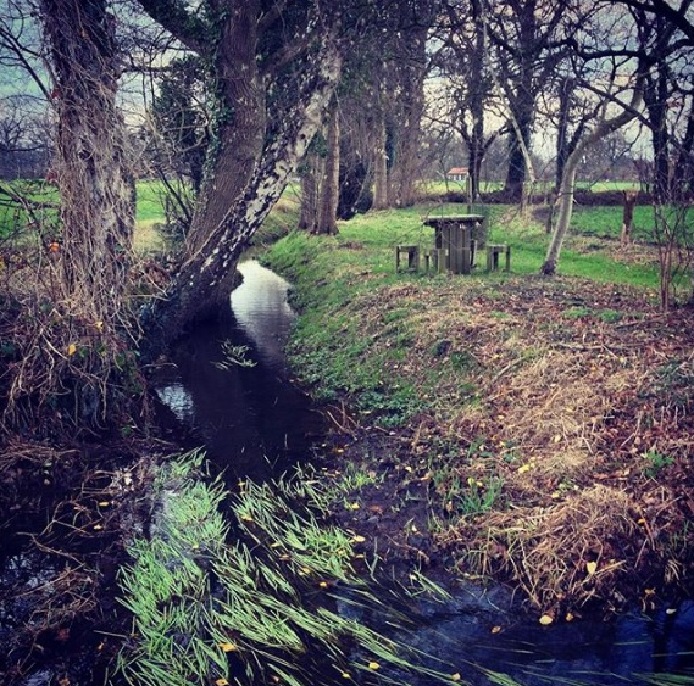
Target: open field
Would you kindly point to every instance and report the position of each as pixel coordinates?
(437, 187)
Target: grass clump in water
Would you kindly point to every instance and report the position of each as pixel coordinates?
(254, 610)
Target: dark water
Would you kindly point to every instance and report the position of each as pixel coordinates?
(255, 423)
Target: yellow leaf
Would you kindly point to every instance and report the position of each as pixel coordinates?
(275, 545)
(221, 682)
(569, 617)
(99, 325)
(524, 468)
(354, 506)
(641, 521)
(104, 503)
(374, 665)
(98, 527)
(591, 567)
(358, 539)
(71, 349)
(556, 494)
(496, 629)
(456, 677)
(346, 675)
(557, 438)
(323, 584)
(228, 647)
(545, 620)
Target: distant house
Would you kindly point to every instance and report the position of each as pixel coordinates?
(457, 174)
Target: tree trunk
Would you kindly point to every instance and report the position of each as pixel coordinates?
(567, 86)
(93, 167)
(410, 107)
(566, 192)
(628, 215)
(476, 147)
(330, 189)
(308, 215)
(198, 290)
(240, 121)
(380, 165)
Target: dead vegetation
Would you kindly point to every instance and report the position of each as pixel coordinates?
(579, 399)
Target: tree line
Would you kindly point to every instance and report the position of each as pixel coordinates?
(246, 95)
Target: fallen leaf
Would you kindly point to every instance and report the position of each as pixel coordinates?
(524, 468)
(71, 349)
(591, 567)
(358, 539)
(104, 503)
(456, 677)
(374, 665)
(545, 620)
(496, 629)
(354, 506)
(569, 617)
(221, 682)
(323, 584)
(228, 647)
(557, 438)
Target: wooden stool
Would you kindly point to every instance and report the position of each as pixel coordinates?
(412, 252)
(493, 252)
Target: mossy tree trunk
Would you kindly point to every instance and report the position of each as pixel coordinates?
(330, 189)
(92, 165)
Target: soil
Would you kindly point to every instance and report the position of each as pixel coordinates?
(567, 472)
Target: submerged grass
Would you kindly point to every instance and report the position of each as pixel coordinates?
(255, 610)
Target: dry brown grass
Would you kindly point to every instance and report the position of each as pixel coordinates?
(569, 407)
(570, 552)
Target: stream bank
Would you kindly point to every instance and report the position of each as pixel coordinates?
(541, 428)
(485, 620)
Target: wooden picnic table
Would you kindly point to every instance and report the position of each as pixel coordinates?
(456, 238)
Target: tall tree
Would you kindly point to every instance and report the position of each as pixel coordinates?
(92, 163)
(463, 61)
(529, 38)
(275, 66)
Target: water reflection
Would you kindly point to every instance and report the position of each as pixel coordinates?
(262, 311)
(620, 651)
(253, 421)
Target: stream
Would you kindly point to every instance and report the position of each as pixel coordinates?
(257, 424)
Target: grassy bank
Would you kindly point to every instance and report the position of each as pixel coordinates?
(531, 429)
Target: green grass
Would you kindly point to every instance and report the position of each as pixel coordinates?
(265, 620)
(433, 188)
(331, 272)
(150, 196)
